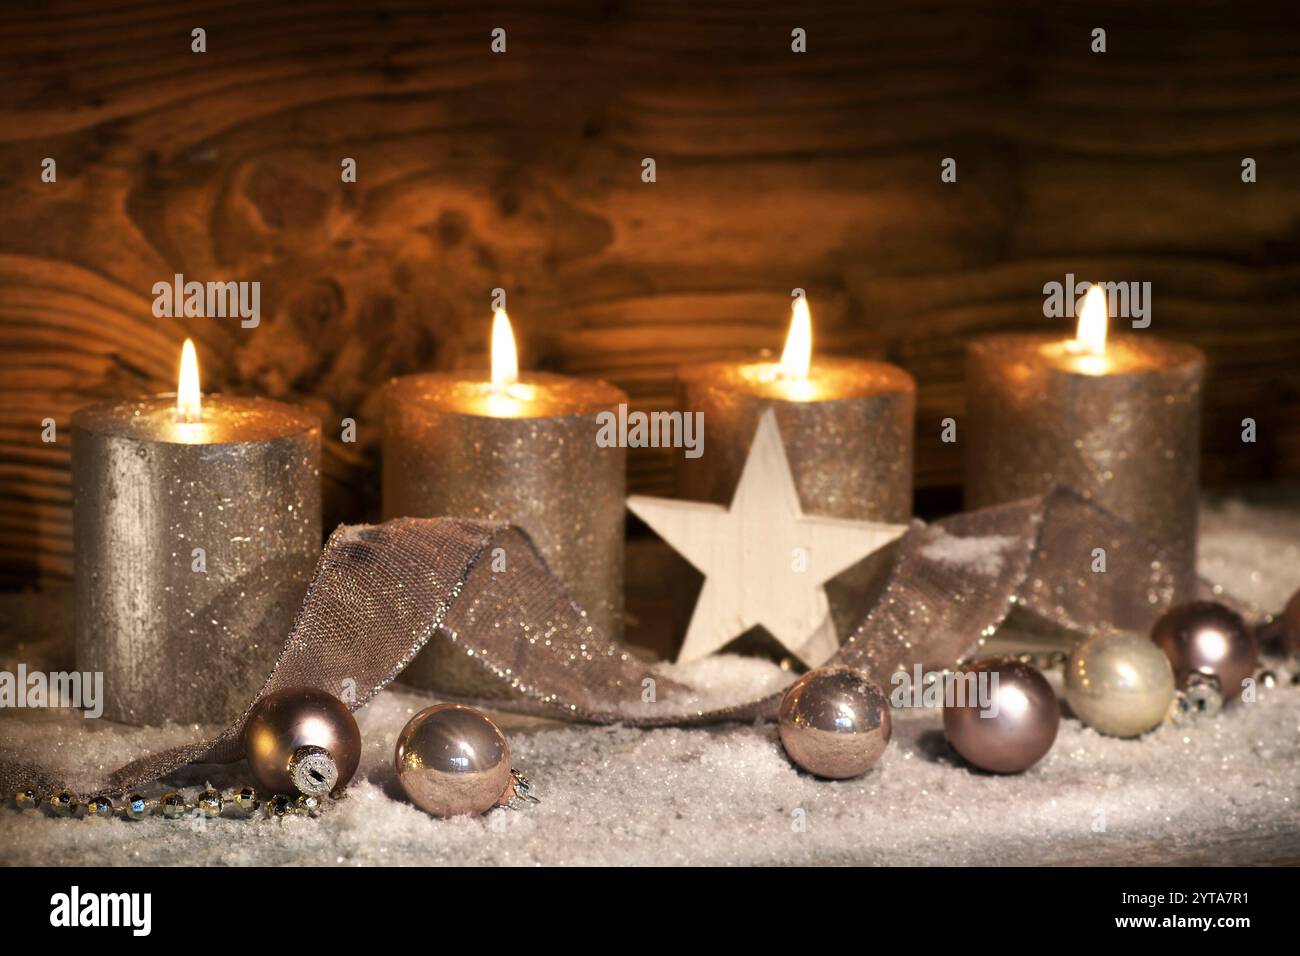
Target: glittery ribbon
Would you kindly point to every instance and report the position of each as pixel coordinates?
(381, 592)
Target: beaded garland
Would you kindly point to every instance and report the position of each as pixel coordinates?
(172, 804)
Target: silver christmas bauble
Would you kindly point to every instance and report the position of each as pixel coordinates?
(1005, 718)
(835, 722)
(452, 760)
(1119, 683)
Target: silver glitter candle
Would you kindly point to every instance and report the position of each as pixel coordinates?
(182, 634)
(848, 428)
(1118, 421)
(526, 453)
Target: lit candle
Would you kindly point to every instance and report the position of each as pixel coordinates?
(519, 448)
(196, 524)
(848, 429)
(1116, 417)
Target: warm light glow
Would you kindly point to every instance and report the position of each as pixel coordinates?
(1212, 645)
(505, 362)
(189, 402)
(797, 356)
(1013, 701)
(1093, 318)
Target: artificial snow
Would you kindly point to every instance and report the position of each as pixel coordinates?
(984, 554)
(1219, 790)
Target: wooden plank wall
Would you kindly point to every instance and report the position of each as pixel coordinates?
(522, 170)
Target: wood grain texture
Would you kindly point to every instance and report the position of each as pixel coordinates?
(522, 171)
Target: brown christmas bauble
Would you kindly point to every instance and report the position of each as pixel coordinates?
(1290, 625)
(1204, 637)
(302, 740)
(1005, 717)
(835, 722)
(452, 760)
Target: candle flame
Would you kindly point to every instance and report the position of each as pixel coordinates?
(505, 361)
(797, 355)
(189, 401)
(1093, 318)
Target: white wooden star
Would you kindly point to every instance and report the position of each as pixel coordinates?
(765, 562)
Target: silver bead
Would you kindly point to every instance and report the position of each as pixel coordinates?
(246, 800)
(452, 760)
(835, 723)
(1119, 683)
(64, 803)
(308, 804)
(279, 806)
(210, 803)
(99, 807)
(173, 805)
(137, 808)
